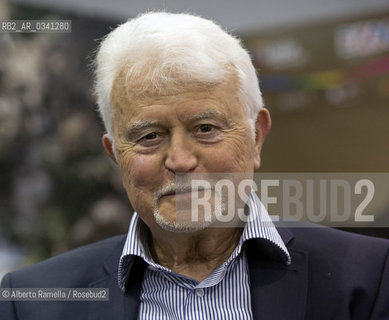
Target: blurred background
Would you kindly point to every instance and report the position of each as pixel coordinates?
(324, 72)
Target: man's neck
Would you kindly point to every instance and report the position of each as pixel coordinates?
(194, 255)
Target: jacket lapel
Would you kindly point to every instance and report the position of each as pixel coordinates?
(278, 291)
(114, 308)
(120, 306)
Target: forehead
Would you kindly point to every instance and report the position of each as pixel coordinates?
(130, 98)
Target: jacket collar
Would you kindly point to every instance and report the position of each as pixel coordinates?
(278, 291)
(120, 305)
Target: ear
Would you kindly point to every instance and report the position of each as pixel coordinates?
(107, 143)
(262, 127)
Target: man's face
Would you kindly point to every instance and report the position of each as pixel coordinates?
(200, 130)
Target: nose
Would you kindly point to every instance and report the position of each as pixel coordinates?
(181, 156)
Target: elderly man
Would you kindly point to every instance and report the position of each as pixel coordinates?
(179, 98)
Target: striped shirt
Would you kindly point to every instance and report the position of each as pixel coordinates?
(224, 294)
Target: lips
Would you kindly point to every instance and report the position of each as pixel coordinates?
(181, 192)
(177, 192)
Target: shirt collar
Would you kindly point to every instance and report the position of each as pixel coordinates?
(258, 226)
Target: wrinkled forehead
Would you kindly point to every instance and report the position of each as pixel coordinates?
(129, 89)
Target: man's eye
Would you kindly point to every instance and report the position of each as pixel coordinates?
(151, 139)
(207, 133)
(204, 128)
(150, 136)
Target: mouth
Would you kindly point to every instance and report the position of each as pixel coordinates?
(176, 193)
(182, 192)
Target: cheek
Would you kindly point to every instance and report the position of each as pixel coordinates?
(141, 176)
(236, 154)
(139, 171)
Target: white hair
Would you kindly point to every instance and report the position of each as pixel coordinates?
(164, 51)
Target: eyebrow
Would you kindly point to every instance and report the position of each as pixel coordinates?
(209, 114)
(137, 126)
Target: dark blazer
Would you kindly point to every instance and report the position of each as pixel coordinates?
(334, 275)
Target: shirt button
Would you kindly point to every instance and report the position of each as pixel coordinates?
(199, 292)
